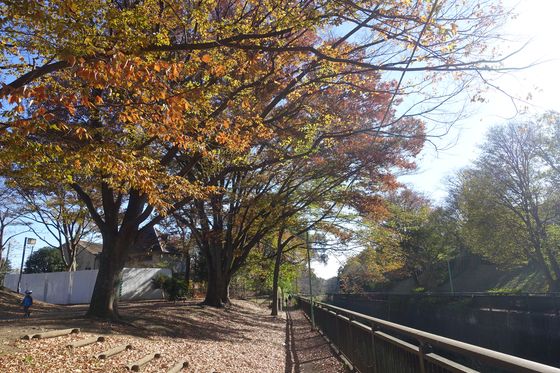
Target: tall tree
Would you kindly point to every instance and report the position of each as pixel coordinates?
(63, 216)
(11, 213)
(129, 100)
(509, 200)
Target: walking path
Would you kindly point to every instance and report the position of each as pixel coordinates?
(307, 350)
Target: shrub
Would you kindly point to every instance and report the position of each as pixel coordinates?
(173, 288)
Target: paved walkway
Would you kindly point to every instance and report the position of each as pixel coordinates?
(307, 351)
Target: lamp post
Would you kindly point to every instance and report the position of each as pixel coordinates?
(310, 286)
(31, 242)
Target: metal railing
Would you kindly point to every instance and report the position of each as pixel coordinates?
(379, 346)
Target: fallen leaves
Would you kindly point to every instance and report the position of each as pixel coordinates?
(243, 338)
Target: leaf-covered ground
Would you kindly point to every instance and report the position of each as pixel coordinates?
(308, 350)
(242, 338)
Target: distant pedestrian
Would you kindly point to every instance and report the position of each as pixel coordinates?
(27, 302)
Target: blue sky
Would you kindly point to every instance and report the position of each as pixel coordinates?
(536, 23)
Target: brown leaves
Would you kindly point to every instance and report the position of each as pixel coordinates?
(244, 338)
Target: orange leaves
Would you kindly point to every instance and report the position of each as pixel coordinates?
(98, 100)
(71, 109)
(14, 98)
(206, 58)
(222, 138)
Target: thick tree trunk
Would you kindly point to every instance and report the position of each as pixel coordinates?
(104, 300)
(217, 293)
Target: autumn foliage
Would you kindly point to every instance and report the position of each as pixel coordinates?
(143, 107)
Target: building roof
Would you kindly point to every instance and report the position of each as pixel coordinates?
(154, 241)
(91, 247)
(147, 242)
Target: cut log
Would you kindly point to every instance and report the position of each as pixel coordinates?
(85, 342)
(137, 365)
(51, 334)
(178, 367)
(115, 350)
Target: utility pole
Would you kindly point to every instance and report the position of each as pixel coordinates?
(310, 286)
(26, 240)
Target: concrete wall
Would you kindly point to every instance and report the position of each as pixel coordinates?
(77, 287)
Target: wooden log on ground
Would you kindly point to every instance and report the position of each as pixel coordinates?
(85, 342)
(115, 350)
(51, 334)
(137, 365)
(178, 367)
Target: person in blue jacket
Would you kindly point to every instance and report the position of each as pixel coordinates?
(27, 302)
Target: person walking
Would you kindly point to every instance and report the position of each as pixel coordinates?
(27, 302)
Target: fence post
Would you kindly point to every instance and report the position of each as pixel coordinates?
(338, 336)
(373, 347)
(423, 349)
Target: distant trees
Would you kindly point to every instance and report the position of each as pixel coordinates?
(61, 215)
(412, 239)
(47, 259)
(11, 213)
(505, 208)
(509, 199)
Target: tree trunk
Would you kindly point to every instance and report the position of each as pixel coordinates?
(217, 294)
(105, 292)
(188, 271)
(275, 280)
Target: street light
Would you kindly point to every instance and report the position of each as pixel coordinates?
(26, 241)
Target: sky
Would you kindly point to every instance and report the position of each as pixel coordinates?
(536, 23)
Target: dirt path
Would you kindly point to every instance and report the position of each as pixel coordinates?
(308, 352)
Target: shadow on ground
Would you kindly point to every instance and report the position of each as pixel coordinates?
(306, 350)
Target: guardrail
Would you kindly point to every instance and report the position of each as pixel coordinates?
(379, 346)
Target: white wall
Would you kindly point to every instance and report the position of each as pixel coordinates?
(77, 287)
